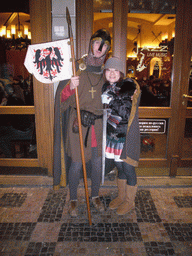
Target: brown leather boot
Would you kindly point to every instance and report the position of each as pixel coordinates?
(98, 204)
(129, 202)
(121, 185)
(73, 210)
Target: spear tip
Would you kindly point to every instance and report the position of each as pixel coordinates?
(68, 16)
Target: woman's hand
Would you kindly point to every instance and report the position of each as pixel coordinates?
(74, 82)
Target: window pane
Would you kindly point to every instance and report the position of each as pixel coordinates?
(17, 136)
(152, 6)
(190, 85)
(150, 43)
(15, 36)
(103, 16)
(102, 5)
(187, 143)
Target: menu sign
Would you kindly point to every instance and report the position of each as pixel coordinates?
(157, 126)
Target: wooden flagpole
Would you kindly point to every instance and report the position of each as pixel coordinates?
(79, 117)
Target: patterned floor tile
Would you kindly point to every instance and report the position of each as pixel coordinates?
(35, 221)
(40, 249)
(145, 207)
(53, 207)
(153, 232)
(182, 248)
(159, 248)
(12, 199)
(100, 249)
(183, 201)
(16, 231)
(13, 247)
(179, 232)
(45, 231)
(101, 232)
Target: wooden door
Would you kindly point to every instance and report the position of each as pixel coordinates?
(43, 109)
(165, 150)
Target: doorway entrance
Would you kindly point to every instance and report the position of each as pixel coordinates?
(40, 111)
(158, 55)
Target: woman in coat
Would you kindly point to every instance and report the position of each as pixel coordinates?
(122, 97)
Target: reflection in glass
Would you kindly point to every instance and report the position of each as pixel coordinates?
(102, 5)
(187, 144)
(16, 91)
(190, 84)
(150, 43)
(103, 17)
(17, 136)
(14, 78)
(152, 6)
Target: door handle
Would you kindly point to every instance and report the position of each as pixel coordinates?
(187, 97)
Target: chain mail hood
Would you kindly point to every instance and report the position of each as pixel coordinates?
(105, 38)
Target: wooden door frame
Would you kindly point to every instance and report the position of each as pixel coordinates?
(40, 18)
(179, 72)
(84, 26)
(40, 14)
(180, 82)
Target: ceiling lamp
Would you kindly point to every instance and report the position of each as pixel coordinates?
(14, 36)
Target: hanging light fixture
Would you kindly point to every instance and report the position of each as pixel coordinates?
(15, 36)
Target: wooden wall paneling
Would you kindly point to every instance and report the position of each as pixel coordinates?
(155, 112)
(40, 12)
(16, 162)
(179, 78)
(84, 26)
(151, 162)
(28, 110)
(120, 12)
(185, 71)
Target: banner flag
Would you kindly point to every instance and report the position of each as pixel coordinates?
(49, 62)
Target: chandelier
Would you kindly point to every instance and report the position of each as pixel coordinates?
(14, 34)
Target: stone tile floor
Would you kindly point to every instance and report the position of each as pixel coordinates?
(34, 221)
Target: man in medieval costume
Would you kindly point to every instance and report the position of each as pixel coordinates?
(67, 155)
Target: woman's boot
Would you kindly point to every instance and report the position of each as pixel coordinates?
(121, 185)
(129, 202)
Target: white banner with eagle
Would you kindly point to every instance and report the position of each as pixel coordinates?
(49, 62)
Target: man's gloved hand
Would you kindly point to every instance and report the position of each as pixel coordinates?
(74, 82)
(87, 118)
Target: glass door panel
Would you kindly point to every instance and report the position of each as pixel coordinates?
(150, 43)
(17, 113)
(156, 59)
(103, 17)
(17, 136)
(186, 154)
(187, 143)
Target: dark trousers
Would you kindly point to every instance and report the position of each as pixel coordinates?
(126, 172)
(75, 172)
